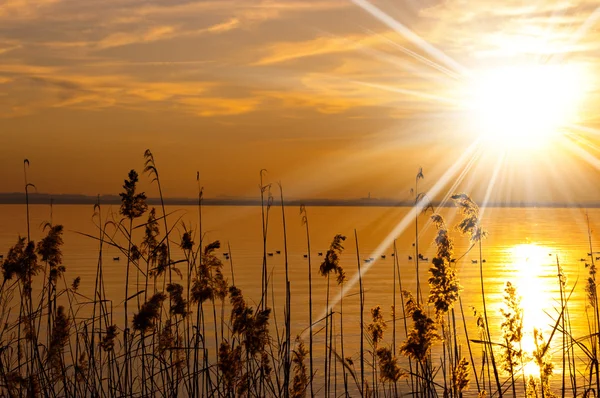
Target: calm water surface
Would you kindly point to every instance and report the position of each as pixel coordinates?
(522, 247)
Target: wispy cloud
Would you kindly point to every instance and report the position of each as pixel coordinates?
(98, 92)
(24, 9)
(207, 106)
(287, 51)
(125, 38)
(226, 26)
(8, 48)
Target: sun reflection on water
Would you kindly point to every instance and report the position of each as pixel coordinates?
(532, 277)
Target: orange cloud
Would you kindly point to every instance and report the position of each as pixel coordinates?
(25, 69)
(24, 9)
(281, 52)
(207, 106)
(98, 92)
(149, 35)
(9, 48)
(223, 26)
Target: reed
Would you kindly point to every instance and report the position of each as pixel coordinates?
(471, 226)
(404, 317)
(331, 264)
(58, 340)
(304, 216)
(418, 198)
(288, 309)
(512, 334)
(300, 381)
(362, 323)
(133, 205)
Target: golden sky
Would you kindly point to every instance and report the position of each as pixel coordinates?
(336, 98)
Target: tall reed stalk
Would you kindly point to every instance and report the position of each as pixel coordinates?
(288, 309)
(362, 323)
(418, 197)
(470, 224)
(304, 215)
(133, 205)
(331, 264)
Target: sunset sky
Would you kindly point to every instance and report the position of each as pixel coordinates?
(336, 98)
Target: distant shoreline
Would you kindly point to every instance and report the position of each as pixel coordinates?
(69, 199)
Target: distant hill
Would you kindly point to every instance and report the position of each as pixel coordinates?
(75, 199)
(44, 198)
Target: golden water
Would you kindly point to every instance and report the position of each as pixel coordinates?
(522, 247)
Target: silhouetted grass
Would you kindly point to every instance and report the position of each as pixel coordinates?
(163, 346)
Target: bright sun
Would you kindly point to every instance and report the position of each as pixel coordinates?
(525, 105)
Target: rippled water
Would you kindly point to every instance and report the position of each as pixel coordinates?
(523, 246)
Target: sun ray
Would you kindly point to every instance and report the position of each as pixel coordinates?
(492, 183)
(581, 153)
(422, 59)
(403, 224)
(410, 92)
(401, 63)
(579, 34)
(410, 35)
(453, 189)
(585, 129)
(567, 185)
(580, 139)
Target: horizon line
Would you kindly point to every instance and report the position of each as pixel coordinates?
(15, 198)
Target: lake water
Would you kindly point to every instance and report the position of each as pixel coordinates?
(522, 247)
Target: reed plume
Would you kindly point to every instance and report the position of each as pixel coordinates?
(151, 232)
(49, 249)
(187, 243)
(331, 262)
(108, 341)
(542, 359)
(423, 334)
(163, 261)
(254, 327)
(21, 262)
(209, 282)
(133, 204)
(178, 303)
(469, 225)
(460, 376)
(230, 365)
(300, 380)
(389, 371)
(59, 338)
(166, 338)
(377, 326)
(512, 332)
(145, 319)
(376, 329)
(75, 284)
(443, 282)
